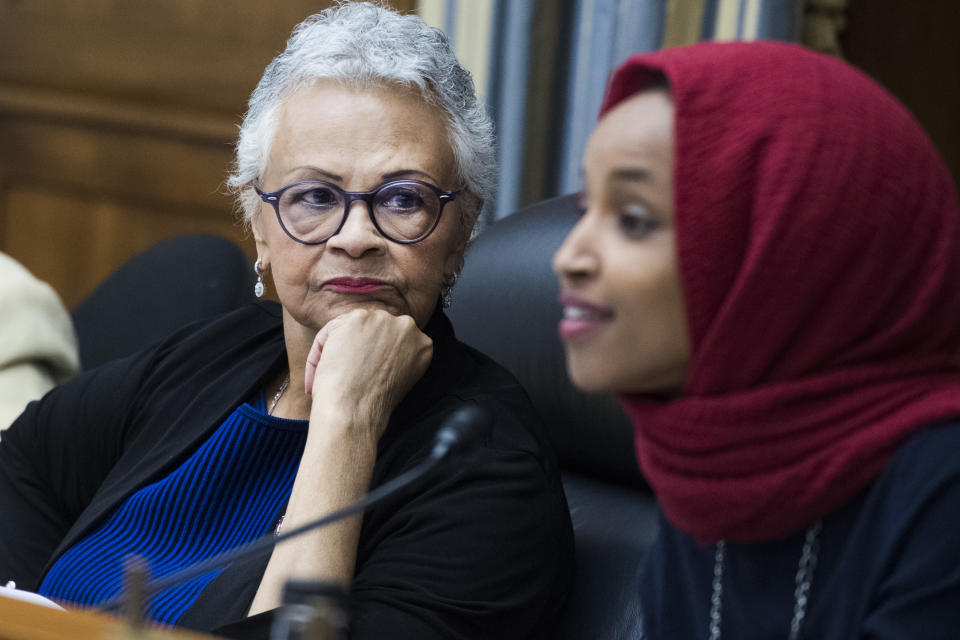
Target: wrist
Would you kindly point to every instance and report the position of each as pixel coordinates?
(349, 413)
(338, 431)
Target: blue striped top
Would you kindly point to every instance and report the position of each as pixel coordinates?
(226, 494)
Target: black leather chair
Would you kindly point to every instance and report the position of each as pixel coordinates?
(505, 304)
(175, 282)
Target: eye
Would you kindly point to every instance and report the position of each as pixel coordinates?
(315, 197)
(582, 203)
(636, 221)
(399, 200)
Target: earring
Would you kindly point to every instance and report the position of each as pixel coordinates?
(446, 289)
(258, 269)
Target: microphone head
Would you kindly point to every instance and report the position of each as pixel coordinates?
(466, 427)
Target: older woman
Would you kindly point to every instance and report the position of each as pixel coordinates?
(768, 271)
(361, 167)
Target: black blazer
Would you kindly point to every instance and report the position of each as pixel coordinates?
(481, 550)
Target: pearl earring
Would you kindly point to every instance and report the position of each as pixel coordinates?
(258, 269)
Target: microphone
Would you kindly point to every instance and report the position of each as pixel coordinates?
(466, 427)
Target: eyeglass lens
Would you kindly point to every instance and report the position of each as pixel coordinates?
(312, 211)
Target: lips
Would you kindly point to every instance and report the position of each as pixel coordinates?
(354, 285)
(581, 319)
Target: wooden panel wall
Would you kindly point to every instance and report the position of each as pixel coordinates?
(116, 124)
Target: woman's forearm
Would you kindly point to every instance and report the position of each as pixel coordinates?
(360, 365)
(334, 472)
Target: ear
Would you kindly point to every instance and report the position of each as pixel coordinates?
(453, 262)
(259, 238)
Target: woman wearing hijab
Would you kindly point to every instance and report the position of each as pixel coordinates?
(768, 272)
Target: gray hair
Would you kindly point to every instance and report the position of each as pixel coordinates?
(364, 44)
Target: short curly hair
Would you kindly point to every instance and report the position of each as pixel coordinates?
(366, 44)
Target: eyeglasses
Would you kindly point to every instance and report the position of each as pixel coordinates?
(403, 211)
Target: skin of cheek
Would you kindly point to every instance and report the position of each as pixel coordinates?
(639, 350)
(659, 353)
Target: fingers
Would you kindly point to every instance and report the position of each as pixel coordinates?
(313, 357)
(340, 347)
(316, 349)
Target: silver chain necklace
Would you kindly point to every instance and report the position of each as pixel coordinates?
(276, 396)
(801, 593)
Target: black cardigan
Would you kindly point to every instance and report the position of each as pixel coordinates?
(481, 550)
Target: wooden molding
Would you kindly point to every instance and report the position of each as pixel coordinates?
(102, 111)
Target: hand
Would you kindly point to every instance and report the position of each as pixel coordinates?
(367, 361)
(360, 366)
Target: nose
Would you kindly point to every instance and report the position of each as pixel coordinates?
(577, 259)
(358, 236)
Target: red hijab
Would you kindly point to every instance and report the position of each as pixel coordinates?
(818, 240)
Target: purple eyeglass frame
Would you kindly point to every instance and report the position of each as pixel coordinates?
(273, 198)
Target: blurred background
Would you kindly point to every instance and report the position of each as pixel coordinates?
(117, 116)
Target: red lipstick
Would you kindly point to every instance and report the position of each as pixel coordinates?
(354, 285)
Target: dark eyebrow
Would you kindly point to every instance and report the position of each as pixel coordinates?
(633, 175)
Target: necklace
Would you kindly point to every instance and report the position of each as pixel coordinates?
(801, 593)
(276, 396)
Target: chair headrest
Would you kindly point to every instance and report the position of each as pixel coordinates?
(506, 305)
(173, 283)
